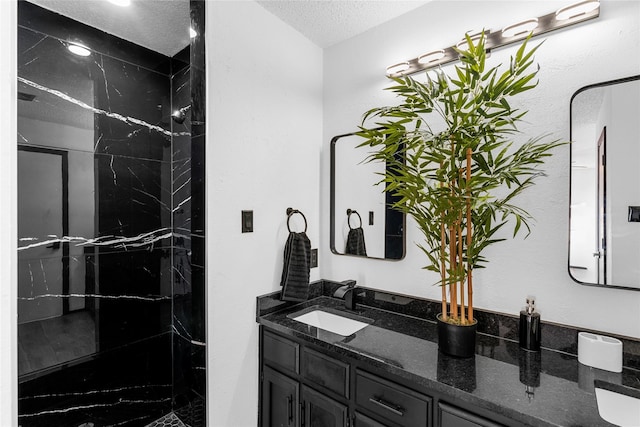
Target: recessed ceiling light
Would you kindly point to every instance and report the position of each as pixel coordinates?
(121, 3)
(192, 32)
(78, 49)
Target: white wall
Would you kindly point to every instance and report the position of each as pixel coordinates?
(264, 136)
(8, 232)
(599, 50)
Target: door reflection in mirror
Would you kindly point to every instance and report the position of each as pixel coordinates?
(604, 245)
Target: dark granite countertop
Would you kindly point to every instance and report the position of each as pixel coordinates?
(546, 388)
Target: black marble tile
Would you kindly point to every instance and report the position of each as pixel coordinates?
(182, 377)
(199, 369)
(180, 60)
(134, 198)
(198, 309)
(198, 185)
(181, 101)
(135, 302)
(182, 204)
(131, 386)
(198, 61)
(130, 135)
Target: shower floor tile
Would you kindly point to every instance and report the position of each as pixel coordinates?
(169, 420)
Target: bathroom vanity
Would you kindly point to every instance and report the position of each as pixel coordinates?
(390, 372)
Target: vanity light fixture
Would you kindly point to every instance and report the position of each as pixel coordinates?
(78, 49)
(475, 36)
(398, 68)
(576, 10)
(427, 58)
(563, 17)
(521, 28)
(121, 3)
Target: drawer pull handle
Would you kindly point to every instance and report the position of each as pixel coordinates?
(398, 410)
(290, 408)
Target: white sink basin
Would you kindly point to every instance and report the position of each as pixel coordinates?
(331, 322)
(617, 408)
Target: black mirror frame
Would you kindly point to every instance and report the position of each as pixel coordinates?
(332, 208)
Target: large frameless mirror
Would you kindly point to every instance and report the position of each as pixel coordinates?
(604, 238)
(362, 221)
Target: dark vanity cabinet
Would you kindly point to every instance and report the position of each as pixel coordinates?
(310, 387)
(300, 386)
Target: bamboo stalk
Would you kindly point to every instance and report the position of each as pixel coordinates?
(453, 238)
(443, 264)
(469, 239)
(459, 267)
(452, 263)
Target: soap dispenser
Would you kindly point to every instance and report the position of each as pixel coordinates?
(530, 326)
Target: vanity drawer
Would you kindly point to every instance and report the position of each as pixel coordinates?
(326, 372)
(450, 416)
(280, 353)
(392, 401)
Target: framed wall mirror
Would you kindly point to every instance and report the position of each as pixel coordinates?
(362, 223)
(604, 216)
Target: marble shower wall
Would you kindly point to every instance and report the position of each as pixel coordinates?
(106, 306)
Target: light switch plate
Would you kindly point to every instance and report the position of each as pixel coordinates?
(247, 221)
(314, 258)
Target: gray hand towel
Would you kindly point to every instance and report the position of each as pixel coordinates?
(295, 272)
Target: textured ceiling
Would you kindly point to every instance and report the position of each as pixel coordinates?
(327, 22)
(159, 25)
(162, 25)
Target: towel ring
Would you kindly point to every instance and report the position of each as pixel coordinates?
(290, 213)
(349, 212)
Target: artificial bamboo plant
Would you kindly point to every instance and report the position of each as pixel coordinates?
(453, 160)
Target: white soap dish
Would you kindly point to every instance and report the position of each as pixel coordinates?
(600, 351)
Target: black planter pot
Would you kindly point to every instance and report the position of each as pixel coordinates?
(457, 340)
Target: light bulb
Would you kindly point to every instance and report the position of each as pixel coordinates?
(427, 58)
(78, 49)
(576, 9)
(520, 28)
(397, 68)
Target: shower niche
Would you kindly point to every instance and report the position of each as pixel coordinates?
(111, 315)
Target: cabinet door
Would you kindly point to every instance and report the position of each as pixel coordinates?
(321, 411)
(364, 421)
(450, 416)
(279, 400)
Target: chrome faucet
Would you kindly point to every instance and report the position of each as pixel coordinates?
(347, 292)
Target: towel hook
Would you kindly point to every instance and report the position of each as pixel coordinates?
(352, 211)
(290, 213)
